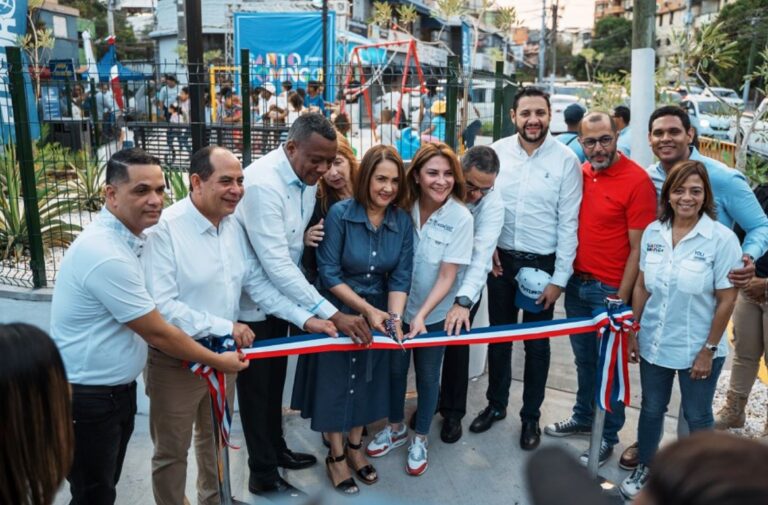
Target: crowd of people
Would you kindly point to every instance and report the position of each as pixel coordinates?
(307, 239)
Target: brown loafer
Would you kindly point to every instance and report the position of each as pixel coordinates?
(628, 459)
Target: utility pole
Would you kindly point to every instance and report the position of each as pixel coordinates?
(688, 22)
(111, 17)
(554, 45)
(196, 73)
(542, 40)
(750, 62)
(643, 81)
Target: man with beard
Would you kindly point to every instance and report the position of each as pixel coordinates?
(619, 202)
(540, 185)
(671, 135)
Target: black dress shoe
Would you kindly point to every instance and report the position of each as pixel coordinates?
(451, 431)
(530, 436)
(279, 488)
(486, 418)
(295, 460)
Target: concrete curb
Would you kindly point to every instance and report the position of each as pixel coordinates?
(26, 294)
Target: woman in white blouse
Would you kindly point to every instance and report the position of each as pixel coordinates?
(683, 300)
(442, 246)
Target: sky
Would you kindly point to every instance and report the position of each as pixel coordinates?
(574, 13)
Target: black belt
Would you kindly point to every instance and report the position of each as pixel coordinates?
(86, 389)
(520, 255)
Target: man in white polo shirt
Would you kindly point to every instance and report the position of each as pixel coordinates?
(197, 263)
(540, 183)
(278, 203)
(100, 313)
(481, 167)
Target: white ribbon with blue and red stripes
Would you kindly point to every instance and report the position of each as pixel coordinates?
(217, 384)
(613, 362)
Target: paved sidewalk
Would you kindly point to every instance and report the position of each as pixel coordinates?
(487, 468)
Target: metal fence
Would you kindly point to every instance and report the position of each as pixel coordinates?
(53, 162)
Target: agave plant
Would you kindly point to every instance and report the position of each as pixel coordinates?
(53, 206)
(177, 186)
(88, 182)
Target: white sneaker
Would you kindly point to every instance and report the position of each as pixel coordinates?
(386, 440)
(632, 485)
(417, 457)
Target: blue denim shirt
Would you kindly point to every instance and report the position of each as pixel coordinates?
(735, 201)
(370, 261)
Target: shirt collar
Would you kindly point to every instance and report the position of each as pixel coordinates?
(202, 224)
(285, 170)
(694, 155)
(355, 213)
(704, 227)
(110, 221)
(542, 148)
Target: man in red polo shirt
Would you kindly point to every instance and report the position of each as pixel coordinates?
(619, 202)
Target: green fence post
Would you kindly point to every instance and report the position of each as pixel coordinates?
(95, 117)
(26, 162)
(498, 101)
(452, 98)
(245, 86)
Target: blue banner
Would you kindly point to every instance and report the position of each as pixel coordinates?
(466, 48)
(286, 46)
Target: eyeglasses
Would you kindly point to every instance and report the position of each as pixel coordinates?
(604, 141)
(483, 191)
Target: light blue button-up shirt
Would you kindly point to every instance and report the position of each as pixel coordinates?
(571, 139)
(736, 203)
(625, 142)
(682, 281)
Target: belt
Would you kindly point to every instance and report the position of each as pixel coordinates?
(86, 389)
(584, 276)
(520, 255)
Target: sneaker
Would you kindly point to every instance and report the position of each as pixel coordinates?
(417, 457)
(632, 485)
(605, 453)
(386, 440)
(567, 428)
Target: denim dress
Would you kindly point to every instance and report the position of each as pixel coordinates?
(341, 390)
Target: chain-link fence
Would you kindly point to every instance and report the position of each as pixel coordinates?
(52, 166)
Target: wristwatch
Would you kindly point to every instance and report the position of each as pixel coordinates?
(710, 347)
(463, 301)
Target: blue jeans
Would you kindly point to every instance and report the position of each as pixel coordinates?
(582, 298)
(695, 396)
(426, 361)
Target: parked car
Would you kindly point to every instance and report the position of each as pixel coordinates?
(758, 140)
(709, 116)
(730, 96)
(558, 103)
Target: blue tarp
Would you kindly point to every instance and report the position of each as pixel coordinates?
(125, 73)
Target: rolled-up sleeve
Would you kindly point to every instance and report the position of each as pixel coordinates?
(744, 208)
(331, 249)
(567, 224)
(263, 222)
(400, 278)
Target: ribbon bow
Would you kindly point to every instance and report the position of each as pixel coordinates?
(613, 362)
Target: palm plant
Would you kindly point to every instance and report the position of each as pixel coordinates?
(88, 182)
(177, 186)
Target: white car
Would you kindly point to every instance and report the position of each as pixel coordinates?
(709, 116)
(559, 103)
(758, 140)
(727, 94)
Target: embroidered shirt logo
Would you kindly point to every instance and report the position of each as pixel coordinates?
(654, 247)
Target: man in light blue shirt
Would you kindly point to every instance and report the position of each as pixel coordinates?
(573, 114)
(621, 117)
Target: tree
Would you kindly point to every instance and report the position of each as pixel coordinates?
(127, 45)
(36, 41)
(613, 38)
(743, 21)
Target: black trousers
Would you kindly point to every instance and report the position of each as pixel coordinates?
(103, 418)
(502, 310)
(260, 394)
(454, 381)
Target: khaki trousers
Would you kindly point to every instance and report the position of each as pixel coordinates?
(750, 332)
(179, 402)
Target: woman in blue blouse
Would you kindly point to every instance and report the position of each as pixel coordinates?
(364, 263)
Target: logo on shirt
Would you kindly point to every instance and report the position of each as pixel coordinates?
(654, 247)
(699, 256)
(444, 226)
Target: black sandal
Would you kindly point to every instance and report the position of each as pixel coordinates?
(347, 487)
(365, 472)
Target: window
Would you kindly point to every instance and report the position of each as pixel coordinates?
(671, 17)
(60, 27)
